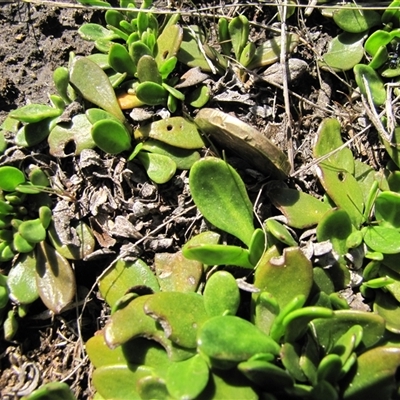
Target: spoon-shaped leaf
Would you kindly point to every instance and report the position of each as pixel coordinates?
(147, 70)
(300, 209)
(180, 314)
(239, 29)
(34, 133)
(218, 254)
(220, 194)
(355, 20)
(55, 278)
(123, 276)
(21, 280)
(187, 379)
(120, 60)
(229, 340)
(274, 274)
(151, 93)
(175, 131)
(159, 168)
(35, 113)
(95, 32)
(344, 51)
(375, 375)
(387, 209)
(221, 294)
(386, 240)
(10, 178)
(92, 82)
(111, 136)
(32, 230)
(374, 82)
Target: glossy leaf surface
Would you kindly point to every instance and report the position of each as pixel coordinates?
(92, 82)
(187, 379)
(123, 276)
(273, 274)
(159, 168)
(221, 197)
(55, 278)
(221, 294)
(34, 113)
(344, 51)
(180, 315)
(175, 131)
(10, 178)
(228, 340)
(71, 138)
(374, 376)
(21, 279)
(300, 209)
(175, 273)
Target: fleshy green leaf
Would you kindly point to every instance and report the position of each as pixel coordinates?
(300, 209)
(55, 278)
(374, 82)
(10, 178)
(111, 136)
(34, 113)
(175, 273)
(183, 158)
(220, 194)
(180, 314)
(344, 51)
(187, 379)
(175, 131)
(151, 93)
(355, 20)
(386, 240)
(273, 273)
(32, 230)
(147, 70)
(229, 340)
(71, 138)
(374, 376)
(120, 60)
(92, 82)
(221, 294)
(21, 280)
(159, 168)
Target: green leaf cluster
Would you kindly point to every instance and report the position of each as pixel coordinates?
(38, 269)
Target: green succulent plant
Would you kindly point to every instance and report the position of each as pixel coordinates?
(142, 68)
(298, 339)
(38, 269)
(348, 49)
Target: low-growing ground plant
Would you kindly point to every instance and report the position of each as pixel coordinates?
(248, 308)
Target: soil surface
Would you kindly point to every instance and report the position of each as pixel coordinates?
(34, 41)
